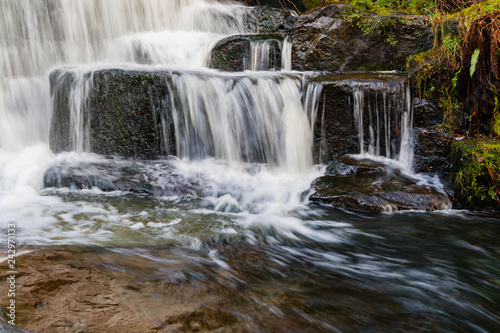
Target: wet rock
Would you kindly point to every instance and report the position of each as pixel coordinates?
(433, 154)
(348, 101)
(270, 20)
(297, 5)
(340, 37)
(337, 168)
(156, 178)
(122, 113)
(375, 187)
(234, 53)
(426, 113)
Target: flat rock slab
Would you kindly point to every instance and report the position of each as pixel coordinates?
(373, 187)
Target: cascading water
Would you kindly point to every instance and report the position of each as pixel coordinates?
(36, 35)
(386, 116)
(263, 54)
(228, 216)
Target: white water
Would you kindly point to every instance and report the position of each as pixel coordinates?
(227, 125)
(37, 36)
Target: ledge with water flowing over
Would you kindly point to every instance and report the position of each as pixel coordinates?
(177, 197)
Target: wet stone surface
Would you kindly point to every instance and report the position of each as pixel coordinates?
(364, 185)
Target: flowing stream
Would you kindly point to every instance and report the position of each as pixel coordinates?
(235, 195)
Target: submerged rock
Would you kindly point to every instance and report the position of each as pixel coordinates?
(340, 37)
(157, 178)
(375, 187)
(248, 52)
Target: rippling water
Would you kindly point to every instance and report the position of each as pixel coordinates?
(249, 228)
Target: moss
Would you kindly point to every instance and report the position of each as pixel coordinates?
(382, 7)
(476, 168)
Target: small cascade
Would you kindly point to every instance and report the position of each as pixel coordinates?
(286, 55)
(368, 114)
(267, 54)
(383, 118)
(259, 55)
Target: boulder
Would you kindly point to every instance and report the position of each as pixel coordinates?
(235, 54)
(340, 37)
(122, 113)
(270, 20)
(375, 187)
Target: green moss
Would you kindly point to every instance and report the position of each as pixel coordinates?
(382, 7)
(476, 167)
(383, 25)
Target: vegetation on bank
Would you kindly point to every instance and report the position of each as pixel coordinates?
(477, 171)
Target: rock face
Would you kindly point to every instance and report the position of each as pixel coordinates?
(124, 113)
(270, 20)
(373, 103)
(248, 52)
(364, 185)
(426, 113)
(339, 37)
(433, 154)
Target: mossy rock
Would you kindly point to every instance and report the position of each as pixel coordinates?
(339, 37)
(125, 113)
(476, 173)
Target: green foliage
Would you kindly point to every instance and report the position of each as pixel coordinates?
(496, 115)
(382, 7)
(477, 179)
(436, 74)
(473, 62)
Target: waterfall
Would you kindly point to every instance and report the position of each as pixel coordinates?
(36, 35)
(256, 118)
(383, 118)
(286, 55)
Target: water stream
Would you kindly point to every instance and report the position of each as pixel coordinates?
(235, 194)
